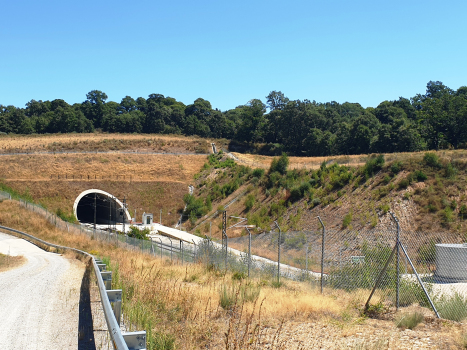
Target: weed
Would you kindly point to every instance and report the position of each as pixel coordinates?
(347, 220)
(396, 167)
(453, 308)
(375, 310)
(409, 320)
(431, 159)
(463, 211)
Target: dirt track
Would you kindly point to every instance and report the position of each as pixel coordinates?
(39, 300)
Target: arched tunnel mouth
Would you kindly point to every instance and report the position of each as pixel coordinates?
(99, 208)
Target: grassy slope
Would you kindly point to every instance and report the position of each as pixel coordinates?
(158, 181)
(437, 203)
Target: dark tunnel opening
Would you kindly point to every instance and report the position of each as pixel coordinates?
(107, 210)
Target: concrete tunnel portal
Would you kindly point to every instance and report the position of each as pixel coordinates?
(107, 211)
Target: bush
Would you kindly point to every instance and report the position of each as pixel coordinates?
(396, 167)
(347, 220)
(258, 173)
(431, 159)
(463, 211)
(68, 218)
(419, 175)
(409, 320)
(384, 208)
(280, 164)
(227, 297)
(373, 165)
(404, 183)
(453, 308)
(249, 202)
(427, 253)
(450, 171)
(139, 234)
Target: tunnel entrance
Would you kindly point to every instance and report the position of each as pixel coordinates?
(104, 207)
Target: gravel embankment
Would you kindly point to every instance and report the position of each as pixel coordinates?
(39, 301)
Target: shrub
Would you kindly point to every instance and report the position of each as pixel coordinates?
(347, 220)
(139, 234)
(450, 171)
(404, 183)
(280, 164)
(463, 211)
(227, 297)
(396, 167)
(249, 202)
(258, 173)
(384, 208)
(372, 165)
(68, 218)
(453, 308)
(419, 175)
(447, 215)
(387, 179)
(431, 159)
(427, 253)
(409, 320)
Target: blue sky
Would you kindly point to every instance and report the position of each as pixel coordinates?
(230, 52)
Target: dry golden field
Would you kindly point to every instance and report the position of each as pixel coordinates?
(259, 161)
(182, 303)
(103, 142)
(150, 182)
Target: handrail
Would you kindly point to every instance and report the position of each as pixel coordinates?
(113, 327)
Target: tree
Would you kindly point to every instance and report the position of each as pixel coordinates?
(127, 104)
(96, 97)
(436, 89)
(276, 100)
(252, 121)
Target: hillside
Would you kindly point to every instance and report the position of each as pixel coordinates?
(152, 171)
(426, 191)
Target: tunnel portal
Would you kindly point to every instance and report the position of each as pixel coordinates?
(107, 210)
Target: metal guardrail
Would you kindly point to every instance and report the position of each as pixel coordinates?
(121, 341)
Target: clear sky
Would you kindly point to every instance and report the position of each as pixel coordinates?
(230, 52)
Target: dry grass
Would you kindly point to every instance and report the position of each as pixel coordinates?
(149, 182)
(103, 142)
(179, 305)
(259, 161)
(148, 167)
(8, 262)
(182, 301)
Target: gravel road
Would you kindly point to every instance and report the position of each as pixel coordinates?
(39, 301)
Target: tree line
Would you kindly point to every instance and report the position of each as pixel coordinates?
(434, 120)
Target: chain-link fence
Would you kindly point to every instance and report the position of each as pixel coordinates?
(394, 267)
(162, 247)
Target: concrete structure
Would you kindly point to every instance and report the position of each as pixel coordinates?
(108, 210)
(451, 262)
(147, 219)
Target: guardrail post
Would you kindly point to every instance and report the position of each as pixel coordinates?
(102, 267)
(135, 340)
(107, 278)
(115, 297)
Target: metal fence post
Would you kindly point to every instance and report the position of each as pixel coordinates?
(398, 242)
(224, 236)
(278, 255)
(181, 249)
(161, 246)
(171, 259)
(322, 253)
(249, 250)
